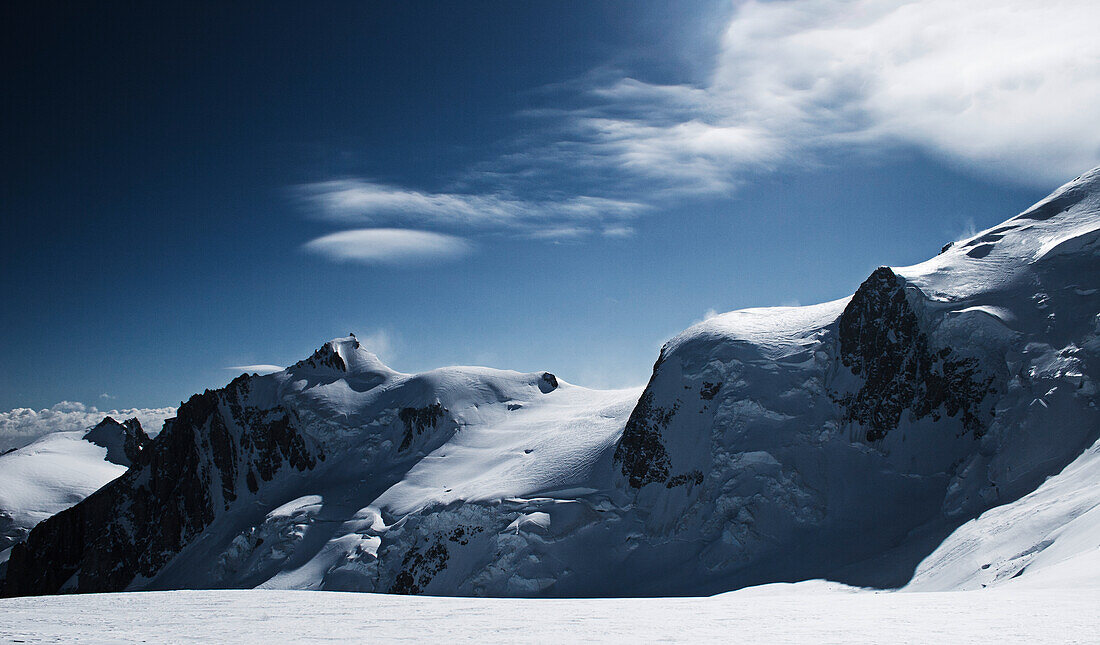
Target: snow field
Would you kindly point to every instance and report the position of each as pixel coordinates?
(811, 612)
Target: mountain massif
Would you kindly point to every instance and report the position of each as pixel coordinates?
(59, 470)
(936, 429)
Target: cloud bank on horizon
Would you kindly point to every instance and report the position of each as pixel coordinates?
(21, 426)
(1007, 89)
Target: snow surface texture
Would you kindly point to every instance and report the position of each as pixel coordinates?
(46, 477)
(900, 436)
(1048, 539)
(59, 470)
(811, 612)
(846, 440)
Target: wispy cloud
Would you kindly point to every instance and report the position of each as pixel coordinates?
(257, 369)
(359, 201)
(1004, 87)
(21, 426)
(389, 246)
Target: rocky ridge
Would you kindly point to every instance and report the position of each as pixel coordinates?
(843, 440)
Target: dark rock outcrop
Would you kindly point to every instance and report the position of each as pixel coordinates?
(417, 421)
(420, 565)
(195, 469)
(548, 383)
(326, 356)
(708, 390)
(881, 341)
(125, 442)
(641, 453)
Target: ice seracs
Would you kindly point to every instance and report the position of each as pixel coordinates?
(356, 450)
(900, 431)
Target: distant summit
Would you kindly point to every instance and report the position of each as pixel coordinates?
(124, 441)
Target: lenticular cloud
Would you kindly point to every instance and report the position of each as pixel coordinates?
(389, 246)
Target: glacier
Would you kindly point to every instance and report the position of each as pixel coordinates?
(936, 430)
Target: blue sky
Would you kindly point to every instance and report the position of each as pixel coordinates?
(537, 186)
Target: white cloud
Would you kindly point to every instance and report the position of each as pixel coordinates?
(389, 246)
(360, 201)
(21, 426)
(260, 368)
(1006, 87)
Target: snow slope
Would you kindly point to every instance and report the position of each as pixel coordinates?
(46, 477)
(805, 613)
(848, 439)
(908, 429)
(1050, 538)
(299, 479)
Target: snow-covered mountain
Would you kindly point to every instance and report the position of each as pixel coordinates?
(59, 470)
(846, 439)
(861, 440)
(290, 479)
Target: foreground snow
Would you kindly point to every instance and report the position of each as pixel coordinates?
(807, 612)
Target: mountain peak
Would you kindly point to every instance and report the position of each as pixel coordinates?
(1086, 186)
(346, 355)
(123, 441)
(933, 394)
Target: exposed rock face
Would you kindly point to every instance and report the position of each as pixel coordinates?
(641, 453)
(124, 441)
(882, 342)
(325, 356)
(420, 565)
(837, 440)
(199, 465)
(549, 383)
(419, 420)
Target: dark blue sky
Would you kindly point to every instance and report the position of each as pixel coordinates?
(162, 169)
